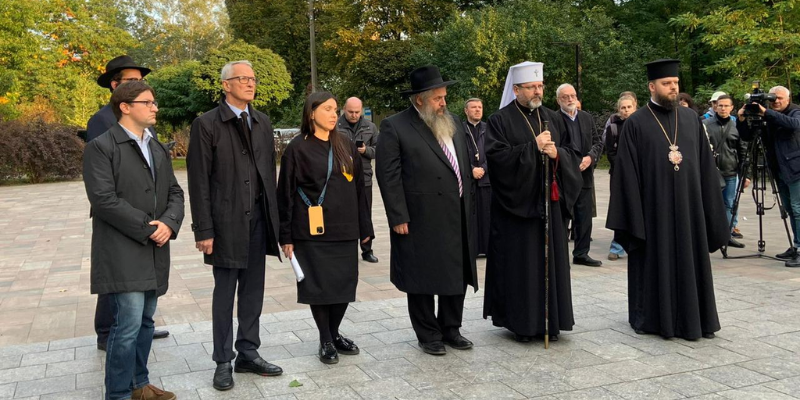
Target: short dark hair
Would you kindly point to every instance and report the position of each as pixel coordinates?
(127, 92)
(724, 97)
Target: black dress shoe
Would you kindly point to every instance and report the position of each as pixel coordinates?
(640, 332)
(258, 366)
(553, 338)
(734, 243)
(102, 346)
(709, 335)
(223, 379)
(345, 346)
(328, 353)
(794, 262)
(157, 334)
(786, 255)
(369, 257)
(459, 343)
(435, 348)
(522, 338)
(587, 261)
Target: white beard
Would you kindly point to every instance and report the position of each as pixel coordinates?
(534, 104)
(442, 125)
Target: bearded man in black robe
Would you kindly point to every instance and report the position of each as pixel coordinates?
(517, 145)
(666, 211)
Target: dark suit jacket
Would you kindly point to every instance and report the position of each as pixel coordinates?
(591, 144)
(124, 199)
(223, 182)
(100, 122)
(419, 186)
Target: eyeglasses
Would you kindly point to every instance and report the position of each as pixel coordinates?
(147, 103)
(244, 79)
(568, 97)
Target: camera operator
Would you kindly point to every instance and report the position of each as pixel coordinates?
(782, 143)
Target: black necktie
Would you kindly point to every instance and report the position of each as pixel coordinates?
(245, 126)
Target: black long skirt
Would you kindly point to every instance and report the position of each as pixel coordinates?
(330, 269)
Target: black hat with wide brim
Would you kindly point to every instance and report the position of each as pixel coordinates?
(116, 65)
(663, 68)
(424, 79)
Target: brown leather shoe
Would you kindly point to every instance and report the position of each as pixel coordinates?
(151, 392)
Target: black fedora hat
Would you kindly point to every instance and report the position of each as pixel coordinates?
(116, 65)
(424, 79)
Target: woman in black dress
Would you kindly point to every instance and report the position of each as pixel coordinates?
(317, 169)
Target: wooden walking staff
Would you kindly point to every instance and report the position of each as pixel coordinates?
(546, 163)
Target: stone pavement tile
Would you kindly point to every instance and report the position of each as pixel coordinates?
(278, 339)
(89, 352)
(485, 338)
(22, 349)
(734, 376)
(370, 305)
(431, 394)
(338, 393)
(390, 351)
(615, 352)
(656, 346)
(360, 328)
(479, 354)
(364, 340)
(42, 386)
(81, 394)
(181, 339)
(775, 367)
(168, 341)
(167, 368)
(189, 394)
(241, 390)
(396, 336)
(788, 341)
(7, 390)
(632, 370)
(190, 381)
(755, 349)
(91, 379)
(302, 349)
(341, 376)
(690, 384)
(293, 315)
(364, 316)
(280, 397)
(643, 389)
(279, 385)
(286, 326)
(570, 359)
(714, 355)
(588, 394)
(358, 359)
(788, 386)
(427, 362)
(395, 323)
(710, 396)
(494, 390)
(759, 392)
(72, 367)
(308, 335)
(387, 388)
(399, 311)
(482, 372)
(588, 377)
(542, 384)
(441, 380)
(298, 365)
(10, 361)
(189, 351)
(72, 342)
(733, 333)
(531, 366)
(674, 363)
(388, 368)
(22, 374)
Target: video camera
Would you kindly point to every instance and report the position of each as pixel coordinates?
(752, 111)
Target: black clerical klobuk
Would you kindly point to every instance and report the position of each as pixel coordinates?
(515, 270)
(425, 187)
(666, 210)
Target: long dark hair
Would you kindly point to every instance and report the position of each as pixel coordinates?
(342, 153)
(688, 99)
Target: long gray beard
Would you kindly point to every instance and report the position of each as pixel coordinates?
(665, 102)
(442, 125)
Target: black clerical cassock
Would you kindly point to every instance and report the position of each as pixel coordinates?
(667, 212)
(515, 264)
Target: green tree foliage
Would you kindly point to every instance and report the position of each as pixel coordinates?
(179, 99)
(756, 40)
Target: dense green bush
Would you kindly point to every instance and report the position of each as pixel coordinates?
(37, 151)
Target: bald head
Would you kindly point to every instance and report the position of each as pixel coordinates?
(352, 109)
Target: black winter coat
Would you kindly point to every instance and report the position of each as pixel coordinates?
(125, 199)
(222, 183)
(419, 187)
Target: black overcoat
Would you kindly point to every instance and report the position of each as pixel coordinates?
(419, 187)
(221, 179)
(124, 199)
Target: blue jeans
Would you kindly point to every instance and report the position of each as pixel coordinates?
(729, 195)
(617, 249)
(790, 197)
(129, 342)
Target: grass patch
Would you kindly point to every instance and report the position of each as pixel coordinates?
(178, 163)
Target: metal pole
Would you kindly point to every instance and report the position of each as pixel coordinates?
(312, 45)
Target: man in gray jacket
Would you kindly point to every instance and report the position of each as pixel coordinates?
(365, 135)
(137, 208)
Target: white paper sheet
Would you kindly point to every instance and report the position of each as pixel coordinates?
(298, 272)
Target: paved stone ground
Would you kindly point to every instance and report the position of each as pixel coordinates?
(46, 351)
